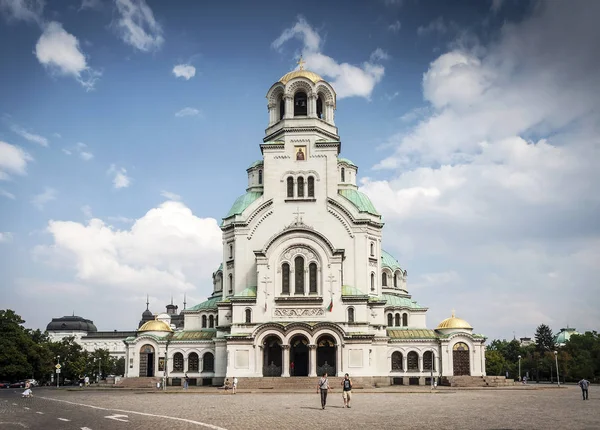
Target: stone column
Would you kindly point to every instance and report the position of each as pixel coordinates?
(421, 363)
(272, 113)
(312, 360)
(259, 360)
(289, 106)
(286, 361)
(312, 106)
(338, 360)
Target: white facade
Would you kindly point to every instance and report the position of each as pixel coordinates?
(305, 286)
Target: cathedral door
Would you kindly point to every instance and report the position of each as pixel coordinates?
(326, 356)
(147, 361)
(461, 359)
(272, 356)
(299, 356)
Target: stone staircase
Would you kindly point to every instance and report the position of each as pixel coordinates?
(477, 381)
(146, 382)
(297, 383)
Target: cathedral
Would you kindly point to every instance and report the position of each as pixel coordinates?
(304, 286)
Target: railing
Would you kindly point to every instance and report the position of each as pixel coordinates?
(326, 368)
(272, 370)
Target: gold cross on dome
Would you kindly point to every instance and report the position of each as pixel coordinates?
(301, 63)
(453, 313)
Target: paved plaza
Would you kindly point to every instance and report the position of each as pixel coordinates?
(449, 409)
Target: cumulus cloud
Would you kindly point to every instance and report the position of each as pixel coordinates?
(493, 180)
(188, 111)
(35, 138)
(91, 4)
(185, 71)
(13, 160)
(40, 200)
(496, 5)
(120, 178)
(395, 27)
(60, 52)
(137, 26)
(436, 26)
(169, 195)
(347, 79)
(160, 250)
(23, 10)
(378, 55)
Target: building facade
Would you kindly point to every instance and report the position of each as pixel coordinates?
(305, 286)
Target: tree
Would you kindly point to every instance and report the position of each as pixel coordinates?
(544, 339)
(15, 344)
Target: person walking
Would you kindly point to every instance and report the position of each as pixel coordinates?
(186, 382)
(347, 390)
(585, 385)
(234, 386)
(324, 387)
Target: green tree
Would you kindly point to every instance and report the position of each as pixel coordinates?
(15, 344)
(544, 339)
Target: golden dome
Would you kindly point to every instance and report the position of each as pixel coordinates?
(155, 325)
(300, 74)
(454, 322)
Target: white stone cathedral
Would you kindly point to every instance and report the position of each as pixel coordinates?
(305, 286)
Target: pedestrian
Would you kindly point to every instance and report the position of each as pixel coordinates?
(323, 385)
(347, 390)
(292, 368)
(585, 385)
(87, 381)
(186, 381)
(234, 386)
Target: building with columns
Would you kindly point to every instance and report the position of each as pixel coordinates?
(305, 286)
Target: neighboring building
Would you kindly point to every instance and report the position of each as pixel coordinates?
(526, 341)
(563, 336)
(305, 286)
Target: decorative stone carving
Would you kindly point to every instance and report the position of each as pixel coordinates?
(290, 253)
(299, 312)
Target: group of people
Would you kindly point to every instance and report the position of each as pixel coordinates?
(323, 387)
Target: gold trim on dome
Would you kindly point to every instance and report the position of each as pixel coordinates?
(454, 322)
(155, 325)
(300, 74)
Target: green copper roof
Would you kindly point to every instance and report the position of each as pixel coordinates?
(210, 304)
(242, 202)
(360, 200)
(345, 160)
(387, 260)
(256, 163)
(348, 290)
(220, 267)
(194, 335)
(404, 302)
(248, 292)
(403, 333)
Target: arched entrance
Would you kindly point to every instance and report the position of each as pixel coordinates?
(326, 355)
(272, 356)
(299, 356)
(461, 359)
(147, 360)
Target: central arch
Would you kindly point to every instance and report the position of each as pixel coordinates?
(326, 355)
(147, 360)
(272, 356)
(299, 356)
(461, 360)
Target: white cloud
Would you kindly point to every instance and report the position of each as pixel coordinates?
(169, 195)
(23, 10)
(378, 55)
(120, 178)
(86, 156)
(121, 219)
(67, 151)
(40, 200)
(495, 179)
(59, 51)
(91, 4)
(161, 249)
(137, 25)
(435, 26)
(6, 194)
(13, 160)
(80, 149)
(6, 236)
(395, 27)
(36, 138)
(188, 111)
(185, 71)
(392, 96)
(347, 79)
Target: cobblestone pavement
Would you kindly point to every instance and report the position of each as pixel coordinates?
(463, 409)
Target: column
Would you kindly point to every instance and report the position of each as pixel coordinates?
(312, 106)
(259, 360)
(289, 106)
(421, 363)
(272, 115)
(286, 361)
(338, 360)
(312, 360)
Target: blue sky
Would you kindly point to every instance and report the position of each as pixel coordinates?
(474, 123)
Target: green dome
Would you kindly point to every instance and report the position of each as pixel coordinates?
(210, 304)
(387, 260)
(348, 162)
(564, 335)
(403, 302)
(242, 202)
(359, 200)
(256, 163)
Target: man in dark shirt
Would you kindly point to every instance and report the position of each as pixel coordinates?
(347, 390)
(584, 384)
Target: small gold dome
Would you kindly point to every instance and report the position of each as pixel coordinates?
(155, 325)
(454, 322)
(300, 74)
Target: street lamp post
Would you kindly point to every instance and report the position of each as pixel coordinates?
(57, 374)
(519, 368)
(556, 361)
(99, 374)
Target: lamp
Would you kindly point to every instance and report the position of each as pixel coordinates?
(556, 361)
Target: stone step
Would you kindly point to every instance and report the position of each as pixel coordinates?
(144, 382)
(297, 382)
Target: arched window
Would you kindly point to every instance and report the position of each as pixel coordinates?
(372, 281)
(312, 278)
(211, 322)
(372, 249)
(311, 186)
(208, 362)
(203, 321)
(428, 363)
(285, 278)
(397, 361)
(290, 187)
(230, 251)
(343, 175)
(193, 362)
(320, 107)
(412, 361)
(299, 278)
(350, 315)
(260, 177)
(384, 279)
(300, 103)
(396, 280)
(300, 192)
(397, 320)
(405, 320)
(230, 283)
(178, 362)
(390, 320)
(281, 107)
(248, 316)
